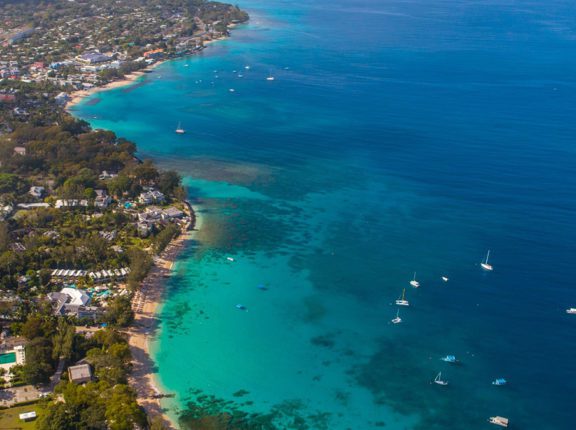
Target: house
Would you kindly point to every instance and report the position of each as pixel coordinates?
(20, 150)
(80, 373)
(144, 229)
(172, 213)
(37, 192)
(106, 175)
(154, 53)
(5, 211)
(102, 200)
(93, 58)
(151, 197)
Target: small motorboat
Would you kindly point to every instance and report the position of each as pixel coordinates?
(397, 320)
(231, 90)
(485, 265)
(230, 259)
(444, 278)
(241, 307)
(499, 421)
(402, 301)
(571, 311)
(414, 282)
(499, 381)
(449, 359)
(438, 379)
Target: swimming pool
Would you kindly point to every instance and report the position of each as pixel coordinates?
(8, 358)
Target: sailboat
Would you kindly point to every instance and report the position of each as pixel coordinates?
(397, 320)
(414, 282)
(438, 379)
(403, 301)
(485, 264)
(270, 77)
(179, 129)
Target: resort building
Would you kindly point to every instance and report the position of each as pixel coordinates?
(73, 302)
(71, 203)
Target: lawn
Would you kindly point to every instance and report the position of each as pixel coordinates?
(9, 417)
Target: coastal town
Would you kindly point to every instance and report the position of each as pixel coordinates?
(82, 45)
(88, 230)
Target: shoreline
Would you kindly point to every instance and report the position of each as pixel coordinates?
(146, 302)
(132, 78)
(129, 79)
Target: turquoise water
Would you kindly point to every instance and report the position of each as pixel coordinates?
(396, 137)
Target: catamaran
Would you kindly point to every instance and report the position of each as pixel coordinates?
(449, 359)
(499, 421)
(402, 301)
(485, 264)
(499, 381)
(438, 379)
(414, 282)
(397, 320)
(571, 311)
(179, 129)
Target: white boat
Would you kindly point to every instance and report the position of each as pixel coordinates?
(179, 129)
(397, 320)
(402, 301)
(438, 379)
(499, 381)
(230, 258)
(270, 77)
(485, 264)
(444, 278)
(414, 282)
(231, 90)
(499, 421)
(449, 359)
(571, 311)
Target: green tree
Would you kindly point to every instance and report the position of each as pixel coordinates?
(122, 411)
(119, 312)
(169, 181)
(38, 366)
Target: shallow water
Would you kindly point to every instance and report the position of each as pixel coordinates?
(396, 137)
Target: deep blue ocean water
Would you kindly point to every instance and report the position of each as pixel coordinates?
(396, 137)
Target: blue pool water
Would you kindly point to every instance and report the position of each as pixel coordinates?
(396, 137)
